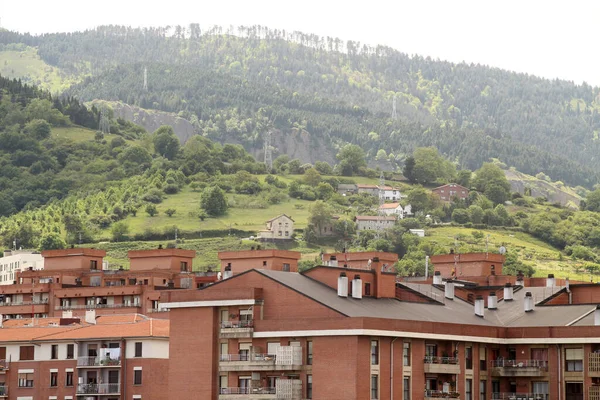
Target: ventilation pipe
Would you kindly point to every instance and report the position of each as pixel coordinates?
(343, 285)
(333, 261)
(227, 272)
(357, 287)
(508, 292)
(437, 278)
(90, 316)
(449, 290)
(520, 279)
(568, 288)
(550, 280)
(492, 301)
(597, 316)
(67, 314)
(528, 302)
(479, 306)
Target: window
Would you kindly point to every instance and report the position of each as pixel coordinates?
(137, 377)
(138, 349)
(482, 389)
(309, 386)
(469, 358)
(26, 380)
(93, 264)
(574, 360)
(574, 365)
(406, 354)
(69, 379)
(53, 379)
(482, 359)
(280, 233)
(367, 289)
(309, 352)
(26, 353)
(70, 351)
(286, 267)
(374, 352)
(539, 387)
(469, 389)
(183, 266)
(406, 388)
(54, 352)
(374, 387)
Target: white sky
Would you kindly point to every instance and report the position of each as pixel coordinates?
(545, 38)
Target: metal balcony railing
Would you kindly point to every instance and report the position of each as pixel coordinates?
(24, 303)
(520, 396)
(440, 360)
(98, 361)
(520, 364)
(441, 394)
(247, 357)
(4, 364)
(246, 390)
(98, 388)
(4, 390)
(95, 306)
(237, 324)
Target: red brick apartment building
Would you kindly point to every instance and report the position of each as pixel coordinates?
(450, 191)
(106, 357)
(73, 281)
(267, 331)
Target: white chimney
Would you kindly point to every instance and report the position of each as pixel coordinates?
(449, 290)
(437, 278)
(90, 316)
(357, 287)
(597, 316)
(227, 272)
(479, 306)
(528, 304)
(508, 292)
(333, 261)
(550, 280)
(343, 285)
(67, 314)
(1, 320)
(492, 301)
(568, 287)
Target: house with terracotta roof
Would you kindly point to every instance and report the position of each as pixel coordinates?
(450, 191)
(373, 222)
(389, 193)
(280, 227)
(396, 209)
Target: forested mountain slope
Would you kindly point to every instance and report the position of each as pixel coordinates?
(331, 93)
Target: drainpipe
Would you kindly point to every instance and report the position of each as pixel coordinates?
(123, 370)
(392, 368)
(559, 367)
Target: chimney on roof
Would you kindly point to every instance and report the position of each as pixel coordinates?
(508, 292)
(437, 278)
(171, 284)
(1, 321)
(357, 287)
(343, 285)
(333, 261)
(479, 306)
(528, 305)
(492, 301)
(90, 316)
(520, 279)
(597, 316)
(67, 314)
(550, 280)
(227, 272)
(449, 290)
(567, 286)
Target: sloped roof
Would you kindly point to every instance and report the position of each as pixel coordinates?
(389, 206)
(373, 218)
(281, 215)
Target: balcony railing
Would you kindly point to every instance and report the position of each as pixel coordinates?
(520, 396)
(3, 391)
(24, 303)
(247, 391)
(98, 361)
(440, 360)
(520, 364)
(237, 324)
(247, 357)
(441, 394)
(98, 388)
(4, 364)
(95, 306)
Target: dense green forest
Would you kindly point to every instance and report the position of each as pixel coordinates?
(227, 82)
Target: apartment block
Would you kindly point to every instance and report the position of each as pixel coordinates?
(15, 261)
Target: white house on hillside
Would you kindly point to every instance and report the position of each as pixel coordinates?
(278, 228)
(396, 209)
(373, 222)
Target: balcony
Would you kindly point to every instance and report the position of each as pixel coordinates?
(96, 306)
(98, 362)
(98, 388)
(24, 303)
(519, 368)
(594, 393)
(441, 365)
(4, 366)
(438, 394)
(286, 358)
(521, 396)
(594, 365)
(24, 307)
(285, 389)
(3, 391)
(237, 329)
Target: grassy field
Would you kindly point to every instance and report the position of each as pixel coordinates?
(27, 65)
(77, 134)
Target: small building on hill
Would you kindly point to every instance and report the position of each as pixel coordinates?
(389, 193)
(347, 189)
(396, 209)
(450, 191)
(373, 222)
(278, 228)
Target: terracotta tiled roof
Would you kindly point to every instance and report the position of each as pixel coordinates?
(148, 328)
(281, 215)
(389, 206)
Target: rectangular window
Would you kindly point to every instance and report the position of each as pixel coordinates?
(93, 264)
(469, 358)
(469, 389)
(374, 352)
(539, 387)
(26, 353)
(69, 379)
(26, 380)
(309, 352)
(70, 351)
(309, 386)
(367, 289)
(574, 365)
(54, 352)
(482, 389)
(406, 354)
(137, 377)
(483, 359)
(286, 267)
(53, 379)
(138, 349)
(183, 266)
(374, 387)
(406, 388)
(574, 360)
